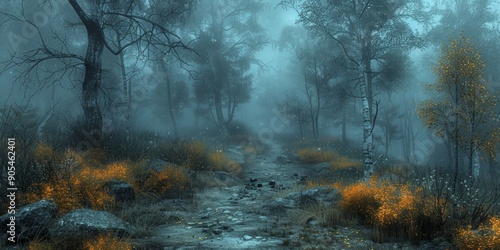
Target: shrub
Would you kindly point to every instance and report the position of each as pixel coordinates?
(360, 199)
(76, 183)
(220, 162)
(487, 236)
(193, 155)
(390, 208)
(171, 182)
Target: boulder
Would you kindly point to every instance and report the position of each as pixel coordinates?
(122, 191)
(286, 159)
(85, 224)
(236, 155)
(314, 195)
(32, 221)
(279, 206)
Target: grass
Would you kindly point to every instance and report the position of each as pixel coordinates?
(318, 155)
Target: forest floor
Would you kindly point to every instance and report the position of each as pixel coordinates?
(238, 217)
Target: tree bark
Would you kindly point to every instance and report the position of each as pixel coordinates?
(93, 73)
(171, 108)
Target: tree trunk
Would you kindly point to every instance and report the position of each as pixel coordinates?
(93, 73)
(367, 140)
(171, 108)
(476, 164)
(221, 124)
(344, 128)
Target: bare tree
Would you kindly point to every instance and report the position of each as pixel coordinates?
(111, 27)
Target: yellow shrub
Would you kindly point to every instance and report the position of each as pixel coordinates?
(487, 236)
(381, 203)
(220, 162)
(107, 242)
(360, 199)
(171, 181)
(80, 186)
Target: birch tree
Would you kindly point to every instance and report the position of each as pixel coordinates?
(365, 31)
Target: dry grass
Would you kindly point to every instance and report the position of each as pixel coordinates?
(337, 162)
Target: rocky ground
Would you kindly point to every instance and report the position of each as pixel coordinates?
(264, 211)
(267, 207)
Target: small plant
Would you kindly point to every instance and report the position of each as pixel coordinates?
(107, 242)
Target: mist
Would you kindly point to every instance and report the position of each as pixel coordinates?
(250, 124)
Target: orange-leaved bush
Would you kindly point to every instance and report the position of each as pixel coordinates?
(76, 183)
(381, 203)
(487, 236)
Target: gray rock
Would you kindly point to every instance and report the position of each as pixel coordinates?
(31, 220)
(176, 205)
(286, 159)
(314, 196)
(279, 206)
(120, 190)
(235, 155)
(82, 224)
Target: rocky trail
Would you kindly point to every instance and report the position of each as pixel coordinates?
(257, 213)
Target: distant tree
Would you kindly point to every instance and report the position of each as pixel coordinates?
(171, 94)
(228, 36)
(294, 109)
(475, 19)
(319, 63)
(365, 31)
(108, 26)
(391, 130)
(463, 109)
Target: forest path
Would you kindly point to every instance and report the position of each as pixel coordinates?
(246, 216)
(233, 217)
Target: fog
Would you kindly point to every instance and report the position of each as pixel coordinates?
(384, 83)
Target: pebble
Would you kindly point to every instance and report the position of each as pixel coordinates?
(226, 212)
(247, 237)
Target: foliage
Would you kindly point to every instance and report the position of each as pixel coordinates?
(75, 183)
(487, 236)
(463, 109)
(393, 209)
(75, 179)
(228, 36)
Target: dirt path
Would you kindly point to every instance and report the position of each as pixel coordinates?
(239, 217)
(233, 217)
